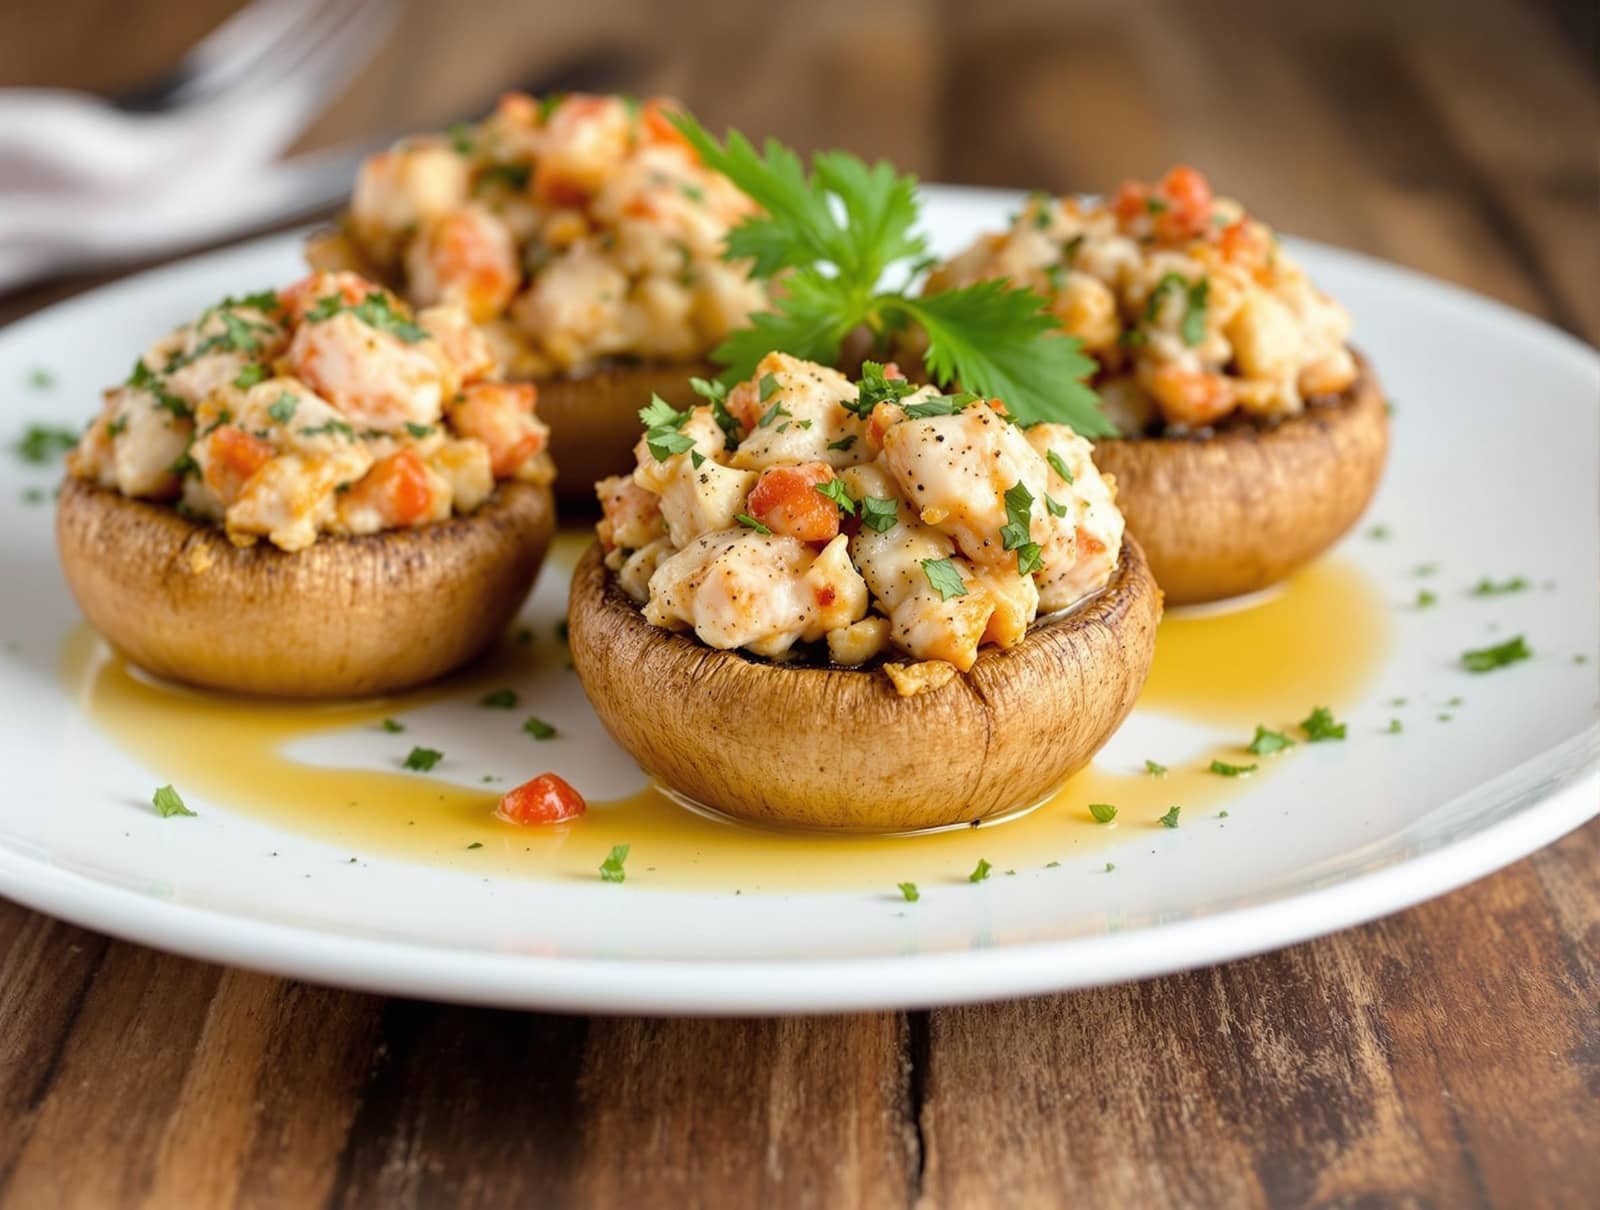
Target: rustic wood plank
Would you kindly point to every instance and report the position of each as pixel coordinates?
(793, 1112)
(1441, 1057)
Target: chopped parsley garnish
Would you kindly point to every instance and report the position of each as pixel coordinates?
(250, 374)
(1395, 727)
(538, 728)
(1110, 866)
(611, 868)
(875, 387)
(184, 464)
(282, 409)
(1169, 820)
(1014, 534)
(939, 405)
(1054, 509)
(392, 725)
(834, 233)
(696, 459)
(40, 379)
(749, 522)
(767, 387)
(1103, 812)
(663, 424)
(329, 428)
(143, 378)
(835, 490)
(909, 892)
(716, 394)
(1058, 464)
(772, 413)
(419, 431)
(1489, 588)
(117, 427)
(476, 844)
(460, 137)
(512, 176)
(423, 759)
(1223, 769)
(1267, 741)
(1379, 533)
(1193, 328)
(376, 310)
(879, 513)
(843, 443)
(40, 443)
(168, 802)
(944, 578)
(500, 699)
(1154, 769)
(1426, 599)
(980, 871)
(1319, 725)
(1486, 659)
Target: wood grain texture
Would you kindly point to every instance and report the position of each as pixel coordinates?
(1447, 1056)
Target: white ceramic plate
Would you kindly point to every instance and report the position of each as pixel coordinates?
(1494, 473)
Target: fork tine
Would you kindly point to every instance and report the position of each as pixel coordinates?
(254, 38)
(319, 59)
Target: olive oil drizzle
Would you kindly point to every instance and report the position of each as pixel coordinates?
(1318, 642)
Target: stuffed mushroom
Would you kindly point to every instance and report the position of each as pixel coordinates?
(309, 492)
(585, 237)
(1252, 434)
(860, 605)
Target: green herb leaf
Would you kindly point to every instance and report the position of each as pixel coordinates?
(423, 759)
(843, 443)
(419, 431)
(1155, 770)
(250, 374)
(392, 726)
(1426, 599)
(750, 522)
(1266, 741)
(40, 379)
(40, 443)
(1320, 726)
(664, 443)
(1019, 512)
(1058, 464)
(1395, 727)
(1486, 659)
(835, 490)
(538, 728)
(282, 409)
(1489, 588)
(944, 578)
(1193, 329)
(1170, 819)
(168, 802)
(1000, 342)
(1223, 769)
(1103, 812)
(879, 514)
(500, 699)
(611, 868)
(767, 387)
(980, 871)
(909, 892)
(875, 387)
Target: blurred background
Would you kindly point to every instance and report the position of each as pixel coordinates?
(1455, 136)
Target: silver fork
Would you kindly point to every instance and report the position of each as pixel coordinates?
(241, 96)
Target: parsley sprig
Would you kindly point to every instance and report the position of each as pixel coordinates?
(833, 233)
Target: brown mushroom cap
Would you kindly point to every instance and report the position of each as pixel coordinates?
(594, 419)
(346, 617)
(1233, 512)
(838, 748)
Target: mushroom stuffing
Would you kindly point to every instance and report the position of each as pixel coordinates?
(799, 512)
(328, 407)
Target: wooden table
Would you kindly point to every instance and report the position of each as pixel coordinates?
(1446, 1056)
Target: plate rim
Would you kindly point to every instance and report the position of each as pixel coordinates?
(800, 985)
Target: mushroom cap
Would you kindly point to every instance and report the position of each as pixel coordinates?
(1232, 512)
(594, 418)
(346, 617)
(838, 748)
